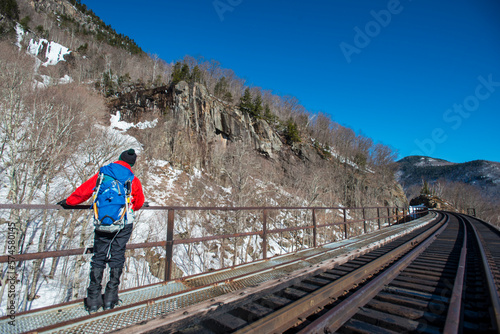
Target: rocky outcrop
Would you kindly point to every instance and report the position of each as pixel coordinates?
(432, 202)
(138, 101)
(65, 8)
(393, 195)
(194, 108)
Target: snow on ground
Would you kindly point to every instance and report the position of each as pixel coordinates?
(54, 53)
(426, 162)
(119, 125)
(49, 81)
(116, 123)
(146, 125)
(20, 35)
(160, 187)
(124, 139)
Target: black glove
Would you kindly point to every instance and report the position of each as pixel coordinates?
(63, 204)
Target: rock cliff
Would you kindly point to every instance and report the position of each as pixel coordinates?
(194, 108)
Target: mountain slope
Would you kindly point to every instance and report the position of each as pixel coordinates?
(485, 175)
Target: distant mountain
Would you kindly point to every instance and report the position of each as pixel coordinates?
(483, 174)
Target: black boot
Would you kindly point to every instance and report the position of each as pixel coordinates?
(94, 295)
(111, 293)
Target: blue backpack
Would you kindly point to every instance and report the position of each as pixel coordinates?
(112, 196)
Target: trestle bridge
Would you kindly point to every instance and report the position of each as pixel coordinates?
(388, 271)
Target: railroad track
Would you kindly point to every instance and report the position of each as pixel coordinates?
(433, 275)
(439, 279)
(203, 291)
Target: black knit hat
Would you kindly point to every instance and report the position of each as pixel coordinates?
(128, 156)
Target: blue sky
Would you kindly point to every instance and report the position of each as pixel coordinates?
(420, 76)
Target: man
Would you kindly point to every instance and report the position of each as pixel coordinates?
(108, 247)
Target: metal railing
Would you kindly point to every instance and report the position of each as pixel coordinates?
(385, 216)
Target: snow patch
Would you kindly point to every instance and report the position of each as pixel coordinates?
(66, 79)
(124, 126)
(48, 81)
(120, 125)
(54, 53)
(159, 163)
(20, 35)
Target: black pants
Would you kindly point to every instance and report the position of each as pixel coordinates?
(115, 243)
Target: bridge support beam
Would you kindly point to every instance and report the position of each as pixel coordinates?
(169, 249)
(264, 234)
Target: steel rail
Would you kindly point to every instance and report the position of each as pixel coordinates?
(287, 316)
(490, 280)
(332, 320)
(455, 309)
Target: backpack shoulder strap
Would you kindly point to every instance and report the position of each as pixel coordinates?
(118, 172)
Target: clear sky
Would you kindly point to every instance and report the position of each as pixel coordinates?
(421, 76)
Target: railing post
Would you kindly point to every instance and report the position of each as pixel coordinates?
(404, 216)
(264, 234)
(364, 221)
(170, 245)
(378, 217)
(388, 217)
(345, 225)
(314, 229)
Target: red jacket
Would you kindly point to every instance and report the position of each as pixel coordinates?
(84, 192)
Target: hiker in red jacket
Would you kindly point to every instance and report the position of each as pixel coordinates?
(108, 247)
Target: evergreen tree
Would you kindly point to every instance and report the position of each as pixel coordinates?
(268, 115)
(360, 159)
(107, 83)
(176, 73)
(246, 104)
(292, 132)
(228, 97)
(425, 189)
(83, 48)
(180, 73)
(185, 75)
(257, 107)
(25, 22)
(221, 90)
(9, 9)
(220, 87)
(196, 75)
